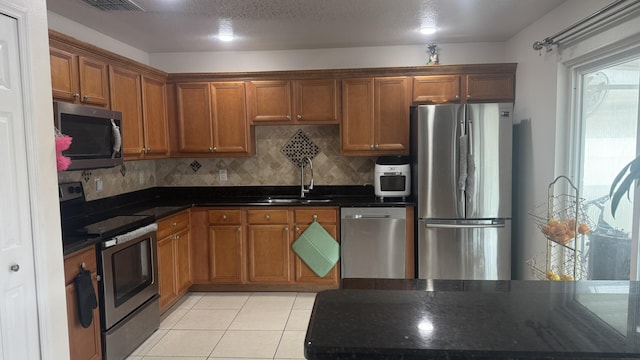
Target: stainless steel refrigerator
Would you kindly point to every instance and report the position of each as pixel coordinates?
(461, 158)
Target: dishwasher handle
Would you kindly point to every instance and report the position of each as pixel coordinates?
(360, 216)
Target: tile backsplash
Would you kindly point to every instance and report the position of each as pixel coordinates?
(268, 166)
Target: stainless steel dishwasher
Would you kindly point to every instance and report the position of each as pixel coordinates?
(373, 242)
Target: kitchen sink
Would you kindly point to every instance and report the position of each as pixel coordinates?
(314, 201)
(283, 201)
(296, 201)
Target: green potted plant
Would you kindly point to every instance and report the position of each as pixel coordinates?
(622, 183)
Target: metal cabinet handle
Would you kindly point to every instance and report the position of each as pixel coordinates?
(76, 95)
(371, 146)
(238, 229)
(85, 98)
(468, 96)
(288, 117)
(224, 217)
(315, 216)
(174, 224)
(215, 148)
(376, 146)
(286, 229)
(268, 217)
(297, 228)
(14, 267)
(210, 149)
(177, 237)
(299, 117)
(457, 97)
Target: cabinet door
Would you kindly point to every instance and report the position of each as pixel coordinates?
(182, 249)
(194, 117)
(166, 278)
(269, 255)
(490, 87)
(391, 115)
(356, 132)
(436, 89)
(226, 254)
(94, 81)
(64, 75)
(229, 117)
(269, 101)
(316, 101)
(126, 97)
(303, 274)
(84, 343)
(154, 113)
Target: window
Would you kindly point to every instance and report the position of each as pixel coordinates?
(607, 139)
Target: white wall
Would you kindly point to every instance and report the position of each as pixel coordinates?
(541, 119)
(47, 241)
(88, 35)
(339, 58)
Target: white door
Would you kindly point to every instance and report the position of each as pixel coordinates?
(18, 310)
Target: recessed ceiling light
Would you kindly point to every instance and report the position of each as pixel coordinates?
(428, 30)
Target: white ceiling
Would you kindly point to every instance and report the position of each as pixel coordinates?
(191, 25)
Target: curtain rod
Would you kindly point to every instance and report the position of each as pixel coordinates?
(555, 39)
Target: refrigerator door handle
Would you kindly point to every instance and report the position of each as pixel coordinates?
(464, 226)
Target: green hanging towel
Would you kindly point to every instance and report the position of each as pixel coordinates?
(317, 248)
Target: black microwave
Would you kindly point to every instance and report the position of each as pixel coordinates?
(96, 135)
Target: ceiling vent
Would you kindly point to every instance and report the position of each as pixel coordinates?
(114, 5)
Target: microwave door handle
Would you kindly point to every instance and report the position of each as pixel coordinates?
(117, 138)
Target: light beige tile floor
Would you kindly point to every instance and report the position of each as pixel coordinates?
(224, 325)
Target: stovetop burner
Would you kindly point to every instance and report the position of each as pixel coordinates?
(117, 225)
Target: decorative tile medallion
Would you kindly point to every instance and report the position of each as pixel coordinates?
(299, 147)
(86, 175)
(123, 170)
(195, 165)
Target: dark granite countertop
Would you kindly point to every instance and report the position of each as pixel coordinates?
(160, 202)
(441, 319)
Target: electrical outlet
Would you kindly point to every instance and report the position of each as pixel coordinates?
(222, 174)
(99, 185)
(141, 178)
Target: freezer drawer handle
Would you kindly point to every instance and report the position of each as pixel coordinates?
(358, 216)
(465, 226)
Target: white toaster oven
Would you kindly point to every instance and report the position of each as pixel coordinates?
(392, 177)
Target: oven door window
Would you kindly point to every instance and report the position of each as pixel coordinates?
(132, 271)
(392, 183)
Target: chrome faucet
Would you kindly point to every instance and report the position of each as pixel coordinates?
(302, 187)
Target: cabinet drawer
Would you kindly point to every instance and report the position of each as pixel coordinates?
(172, 224)
(225, 216)
(267, 216)
(324, 215)
(73, 262)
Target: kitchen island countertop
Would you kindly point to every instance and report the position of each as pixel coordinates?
(456, 319)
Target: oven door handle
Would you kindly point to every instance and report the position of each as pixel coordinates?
(132, 235)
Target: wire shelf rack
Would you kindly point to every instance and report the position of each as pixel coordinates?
(563, 222)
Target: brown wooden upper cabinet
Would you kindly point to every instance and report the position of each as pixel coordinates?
(375, 116)
(467, 88)
(293, 102)
(490, 87)
(212, 118)
(143, 105)
(436, 89)
(78, 79)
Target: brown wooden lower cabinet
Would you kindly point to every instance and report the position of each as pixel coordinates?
(84, 343)
(174, 258)
(249, 248)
